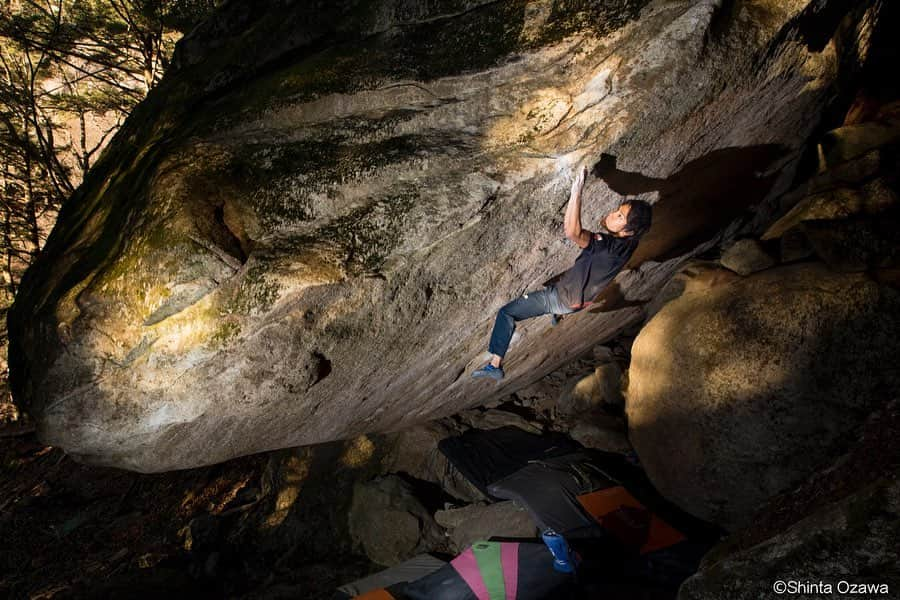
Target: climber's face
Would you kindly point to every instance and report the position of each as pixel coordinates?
(616, 221)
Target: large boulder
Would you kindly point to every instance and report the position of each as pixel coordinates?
(742, 387)
(303, 234)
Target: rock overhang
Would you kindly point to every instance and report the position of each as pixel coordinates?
(285, 259)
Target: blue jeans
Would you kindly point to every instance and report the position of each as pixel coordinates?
(533, 304)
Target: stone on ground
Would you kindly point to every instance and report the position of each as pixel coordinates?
(745, 257)
(480, 522)
(389, 523)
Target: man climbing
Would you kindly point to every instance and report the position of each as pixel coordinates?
(603, 255)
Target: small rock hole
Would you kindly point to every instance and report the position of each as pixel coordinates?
(323, 367)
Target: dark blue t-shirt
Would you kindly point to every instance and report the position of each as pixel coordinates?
(594, 268)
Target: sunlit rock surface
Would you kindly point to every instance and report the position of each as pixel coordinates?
(743, 387)
(305, 231)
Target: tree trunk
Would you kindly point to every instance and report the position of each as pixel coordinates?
(8, 282)
(148, 61)
(84, 157)
(34, 236)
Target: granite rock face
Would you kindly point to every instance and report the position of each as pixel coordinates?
(851, 542)
(743, 387)
(839, 528)
(304, 232)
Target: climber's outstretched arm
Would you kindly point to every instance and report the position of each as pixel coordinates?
(572, 221)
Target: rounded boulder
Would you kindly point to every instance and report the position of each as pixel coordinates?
(743, 387)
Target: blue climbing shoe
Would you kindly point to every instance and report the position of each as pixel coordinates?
(489, 370)
(564, 559)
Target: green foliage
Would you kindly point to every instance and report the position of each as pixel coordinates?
(70, 72)
(185, 15)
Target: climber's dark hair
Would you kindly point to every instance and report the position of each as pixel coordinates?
(639, 217)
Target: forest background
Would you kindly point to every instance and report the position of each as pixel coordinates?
(70, 72)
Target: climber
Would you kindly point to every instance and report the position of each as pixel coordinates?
(603, 255)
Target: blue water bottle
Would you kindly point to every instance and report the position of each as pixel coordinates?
(560, 550)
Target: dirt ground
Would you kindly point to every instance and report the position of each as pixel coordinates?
(70, 530)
